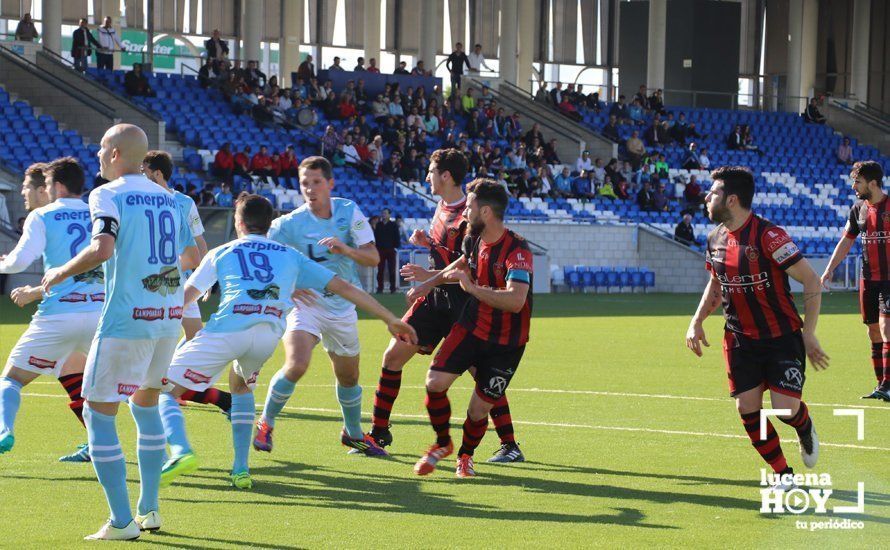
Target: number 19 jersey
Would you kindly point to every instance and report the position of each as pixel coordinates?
(302, 230)
(143, 281)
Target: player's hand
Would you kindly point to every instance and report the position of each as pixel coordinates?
(415, 293)
(826, 280)
(335, 245)
(419, 238)
(413, 272)
(402, 330)
(818, 358)
(51, 278)
(24, 295)
(695, 337)
(304, 296)
(461, 276)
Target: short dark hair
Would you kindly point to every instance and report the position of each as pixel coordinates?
(869, 170)
(490, 193)
(255, 211)
(738, 181)
(452, 161)
(68, 172)
(35, 172)
(318, 163)
(160, 160)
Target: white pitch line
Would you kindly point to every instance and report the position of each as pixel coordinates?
(567, 425)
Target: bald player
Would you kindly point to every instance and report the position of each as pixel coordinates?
(139, 234)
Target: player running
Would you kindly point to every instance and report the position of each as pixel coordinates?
(59, 335)
(766, 344)
(158, 167)
(334, 233)
(257, 277)
(435, 309)
(495, 271)
(870, 218)
(139, 233)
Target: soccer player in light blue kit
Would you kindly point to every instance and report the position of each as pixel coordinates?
(139, 233)
(257, 278)
(334, 233)
(59, 335)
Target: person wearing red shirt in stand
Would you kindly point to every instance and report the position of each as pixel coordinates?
(224, 164)
(242, 165)
(495, 270)
(870, 218)
(275, 167)
(765, 344)
(289, 174)
(347, 107)
(261, 164)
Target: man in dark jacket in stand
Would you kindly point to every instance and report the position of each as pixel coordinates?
(386, 236)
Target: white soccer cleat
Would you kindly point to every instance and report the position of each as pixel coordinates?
(783, 486)
(809, 448)
(149, 522)
(109, 532)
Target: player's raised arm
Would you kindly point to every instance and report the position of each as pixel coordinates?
(365, 301)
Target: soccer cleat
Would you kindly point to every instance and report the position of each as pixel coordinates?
(82, 454)
(242, 480)
(178, 466)
(433, 455)
(109, 532)
(7, 440)
(509, 452)
(809, 447)
(382, 436)
(465, 466)
(784, 485)
(878, 393)
(366, 445)
(262, 441)
(149, 522)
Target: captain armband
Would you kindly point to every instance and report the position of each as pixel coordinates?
(105, 225)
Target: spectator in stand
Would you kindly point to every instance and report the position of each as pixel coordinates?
(845, 152)
(550, 154)
(691, 158)
(306, 70)
(359, 65)
(620, 110)
(290, 174)
(136, 84)
(656, 135)
(242, 163)
(610, 130)
(748, 138)
(542, 95)
(607, 190)
(646, 198)
(661, 199)
(684, 232)
(261, 165)
(568, 109)
(660, 167)
(641, 176)
(411, 168)
(216, 47)
(224, 197)
(330, 142)
(372, 66)
(262, 113)
(431, 122)
(642, 97)
(680, 129)
(468, 102)
(637, 113)
(387, 239)
(395, 107)
(612, 170)
(533, 134)
(336, 66)
(583, 187)
(812, 114)
(224, 164)
(350, 154)
(556, 94)
(546, 185)
(562, 183)
(635, 149)
(347, 108)
(392, 168)
(81, 41)
(419, 70)
(703, 160)
(205, 74)
(25, 31)
(253, 76)
(584, 163)
(455, 65)
(736, 139)
(692, 195)
(477, 60)
(206, 197)
(656, 102)
(402, 68)
(109, 41)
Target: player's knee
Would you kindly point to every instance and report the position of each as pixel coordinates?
(393, 360)
(874, 333)
(436, 383)
(478, 409)
(21, 376)
(295, 369)
(347, 379)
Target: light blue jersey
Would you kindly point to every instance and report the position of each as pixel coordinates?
(57, 232)
(143, 281)
(302, 230)
(257, 277)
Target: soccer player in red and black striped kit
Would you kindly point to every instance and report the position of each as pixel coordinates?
(495, 270)
(435, 309)
(870, 219)
(765, 344)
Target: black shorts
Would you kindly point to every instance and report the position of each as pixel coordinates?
(433, 316)
(495, 364)
(775, 363)
(874, 300)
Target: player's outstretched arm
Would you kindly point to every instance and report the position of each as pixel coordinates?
(24, 295)
(365, 301)
(803, 273)
(710, 301)
(100, 249)
(365, 254)
(840, 252)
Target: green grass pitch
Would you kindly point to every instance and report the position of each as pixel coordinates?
(630, 439)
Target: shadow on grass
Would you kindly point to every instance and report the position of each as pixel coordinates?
(201, 543)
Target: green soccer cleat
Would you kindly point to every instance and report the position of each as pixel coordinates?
(178, 466)
(7, 440)
(242, 480)
(82, 454)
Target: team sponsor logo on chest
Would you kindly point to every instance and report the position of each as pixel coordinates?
(752, 253)
(165, 282)
(500, 270)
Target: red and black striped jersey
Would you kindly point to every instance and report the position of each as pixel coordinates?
(491, 266)
(750, 264)
(872, 223)
(447, 231)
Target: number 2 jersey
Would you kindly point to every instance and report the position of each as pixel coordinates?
(750, 265)
(257, 277)
(58, 232)
(143, 278)
(872, 223)
(301, 229)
